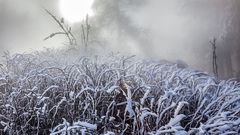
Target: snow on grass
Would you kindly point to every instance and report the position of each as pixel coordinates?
(43, 93)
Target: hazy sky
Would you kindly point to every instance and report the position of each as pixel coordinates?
(168, 29)
(24, 24)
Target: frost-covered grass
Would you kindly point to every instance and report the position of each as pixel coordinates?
(43, 94)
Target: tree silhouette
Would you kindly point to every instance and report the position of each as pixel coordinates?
(214, 55)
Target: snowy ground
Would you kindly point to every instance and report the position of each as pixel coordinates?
(42, 93)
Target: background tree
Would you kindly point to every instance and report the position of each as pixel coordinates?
(232, 39)
(221, 20)
(112, 21)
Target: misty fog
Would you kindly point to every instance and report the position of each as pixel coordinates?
(159, 29)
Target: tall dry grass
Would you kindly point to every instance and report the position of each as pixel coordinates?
(41, 94)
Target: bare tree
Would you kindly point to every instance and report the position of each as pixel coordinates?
(214, 57)
(85, 27)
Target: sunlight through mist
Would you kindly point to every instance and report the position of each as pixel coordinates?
(75, 10)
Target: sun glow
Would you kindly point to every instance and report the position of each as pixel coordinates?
(75, 10)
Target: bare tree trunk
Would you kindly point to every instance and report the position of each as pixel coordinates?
(214, 59)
